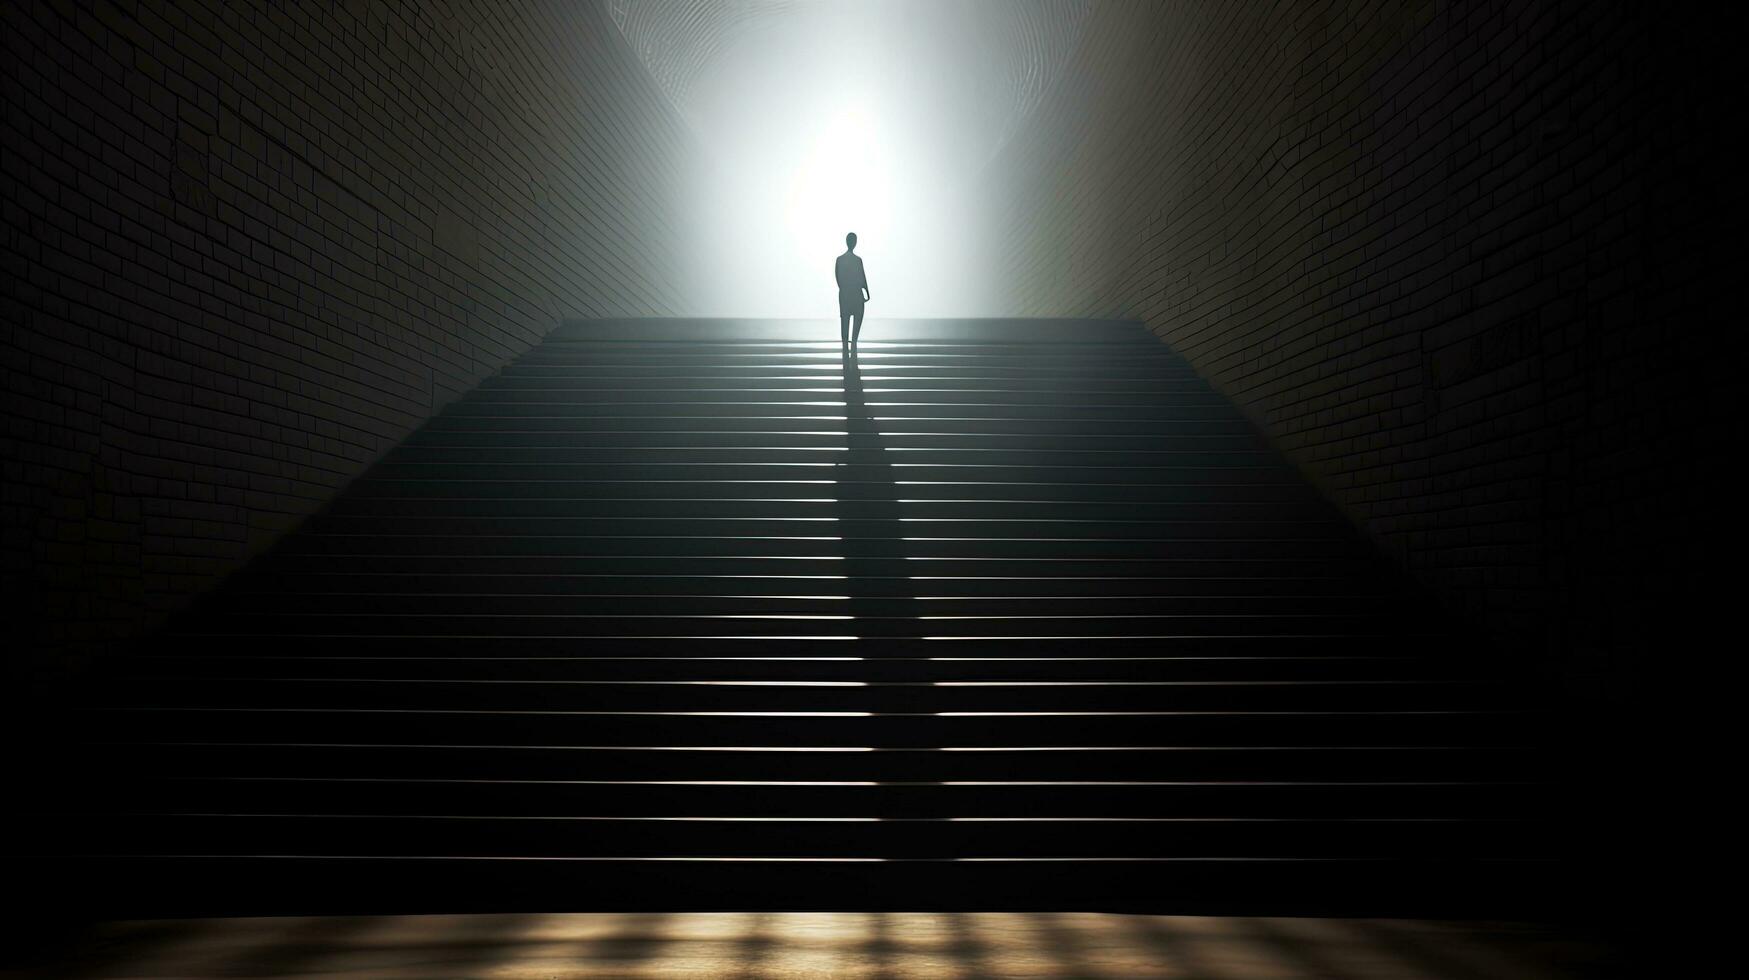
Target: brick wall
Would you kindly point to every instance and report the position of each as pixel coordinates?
(1459, 260)
(250, 246)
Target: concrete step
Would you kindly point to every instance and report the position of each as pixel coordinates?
(144, 832)
(755, 331)
(455, 441)
(819, 509)
(898, 523)
(806, 729)
(1059, 375)
(487, 399)
(917, 567)
(1422, 885)
(319, 757)
(686, 612)
(817, 486)
(1180, 408)
(458, 582)
(248, 663)
(880, 697)
(988, 478)
(869, 452)
(192, 637)
(770, 799)
(823, 627)
(776, 382)
(890, 426)
(800, 544)
(569, 604)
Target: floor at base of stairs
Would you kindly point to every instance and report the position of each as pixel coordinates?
(838, 945)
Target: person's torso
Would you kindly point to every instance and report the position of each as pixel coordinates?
(850, 278)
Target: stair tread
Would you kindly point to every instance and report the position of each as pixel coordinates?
(701, 608)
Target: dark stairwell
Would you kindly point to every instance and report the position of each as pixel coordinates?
(1337, 535)
(996, 614)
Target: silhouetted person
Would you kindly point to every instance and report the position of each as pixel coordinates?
(852, 290)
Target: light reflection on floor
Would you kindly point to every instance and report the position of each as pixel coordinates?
(838, 945)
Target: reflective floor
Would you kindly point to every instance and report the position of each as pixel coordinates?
(838, 945)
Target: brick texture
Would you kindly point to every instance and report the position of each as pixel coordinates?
(250, 246)
(1458, 260)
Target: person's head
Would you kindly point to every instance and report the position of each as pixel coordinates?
(850, 241)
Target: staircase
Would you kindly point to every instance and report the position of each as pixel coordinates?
(671, 614)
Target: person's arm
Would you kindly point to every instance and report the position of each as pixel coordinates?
(865, 293)
(838, 273)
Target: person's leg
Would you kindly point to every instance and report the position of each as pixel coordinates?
(844, 329)
(858, 331)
